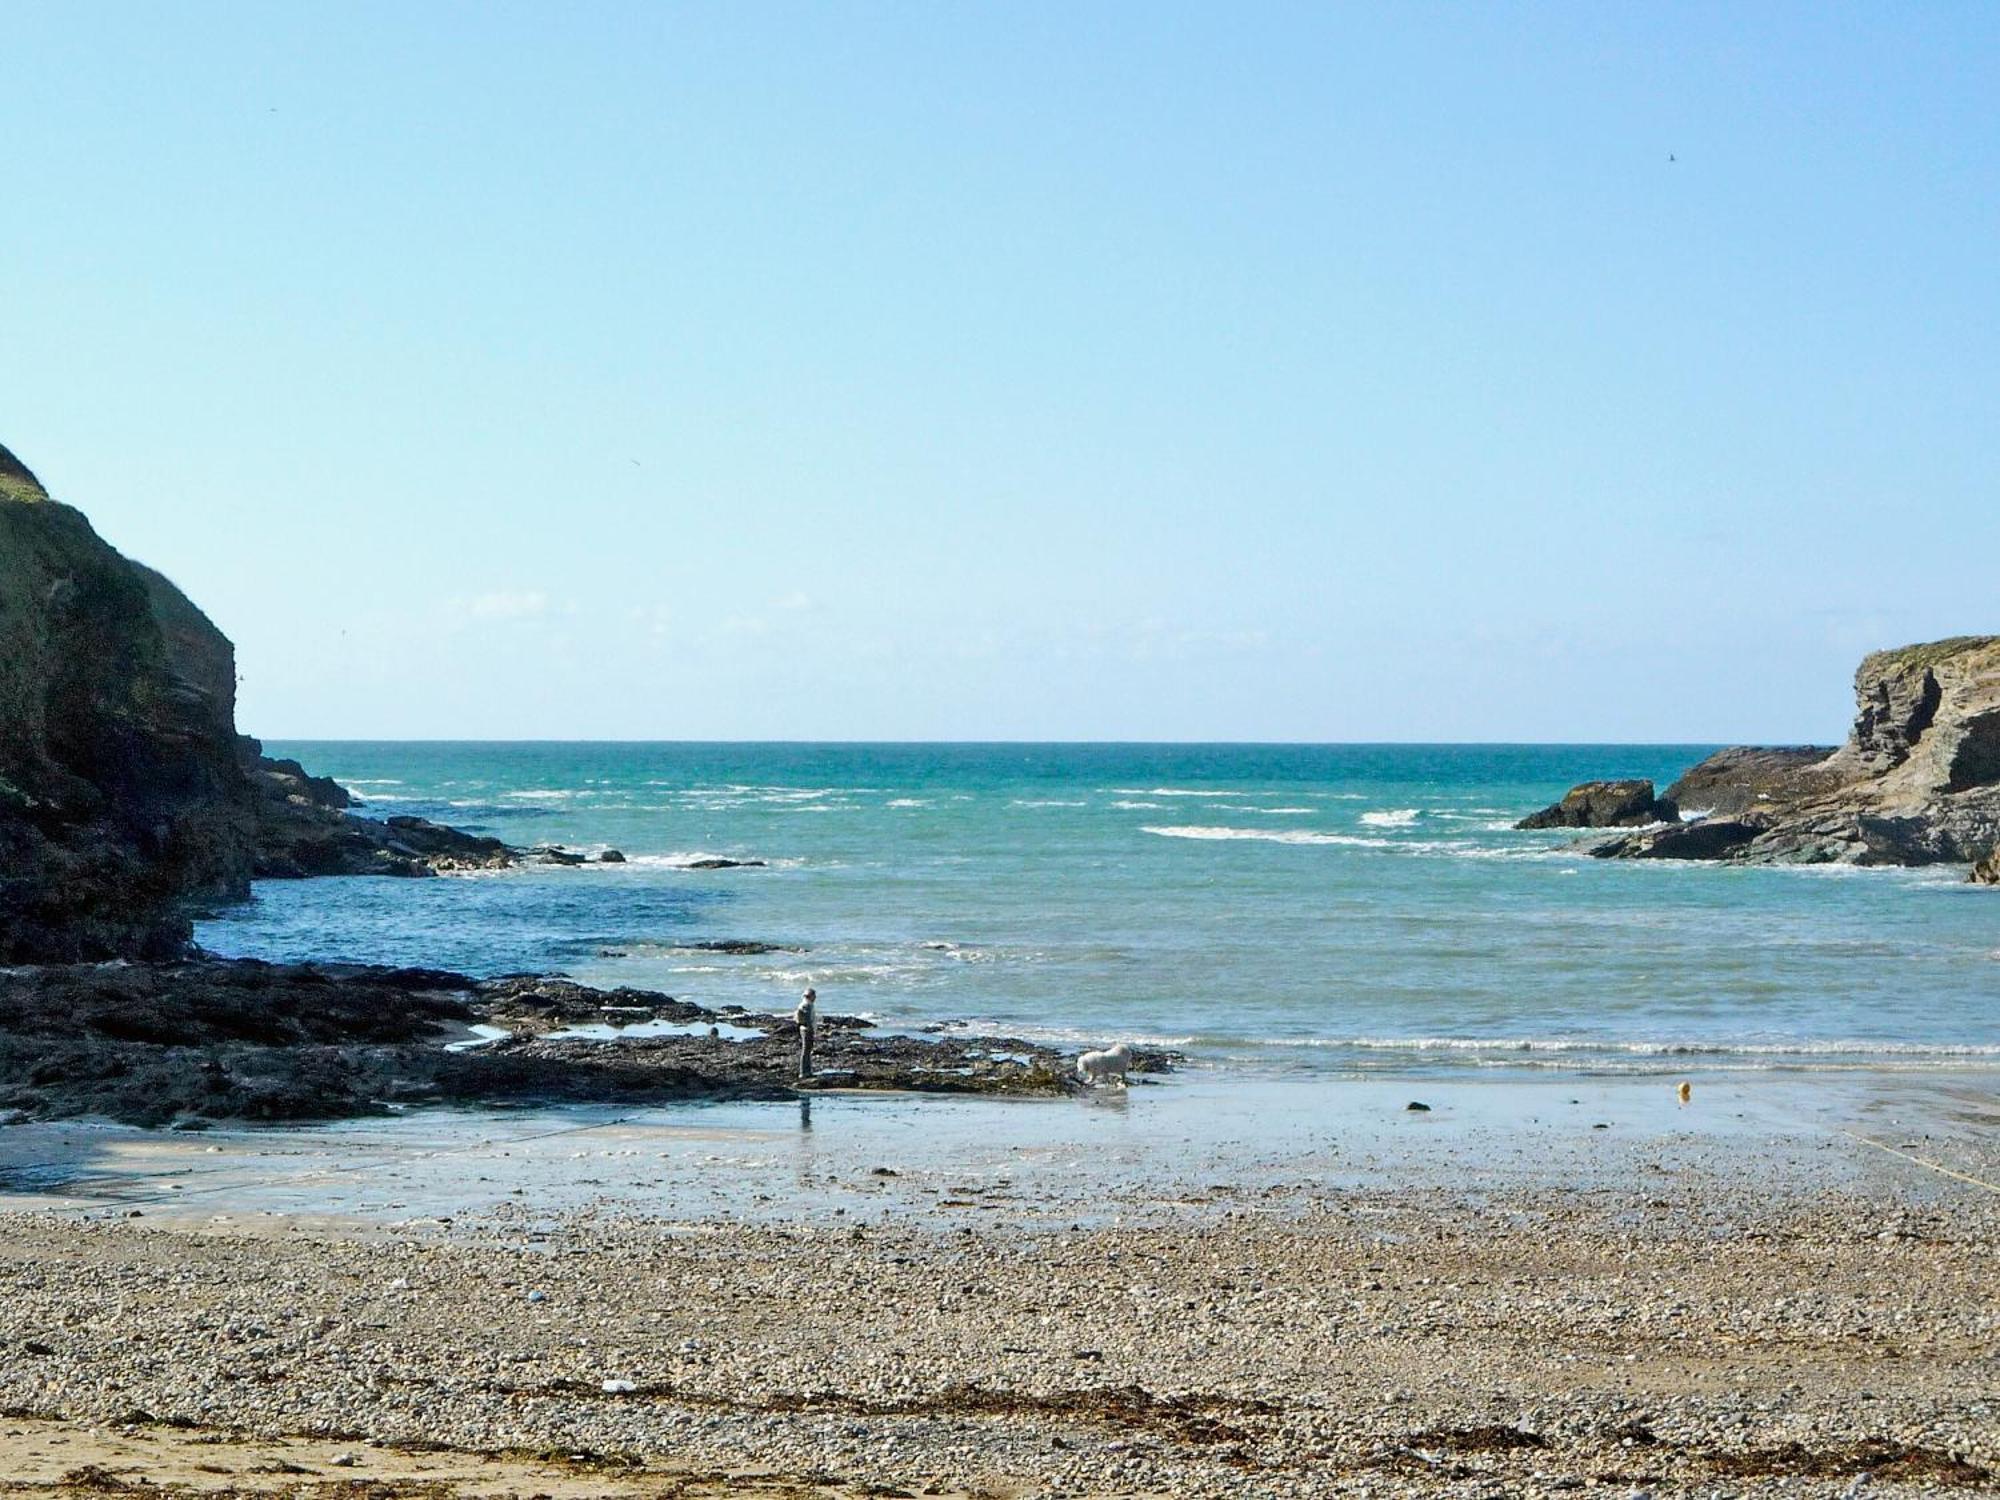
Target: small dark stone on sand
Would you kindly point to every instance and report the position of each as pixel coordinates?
(1418, 1106)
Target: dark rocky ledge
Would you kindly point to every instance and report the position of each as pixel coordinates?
(213, 1040)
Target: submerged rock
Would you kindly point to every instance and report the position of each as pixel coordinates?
(1605, 804)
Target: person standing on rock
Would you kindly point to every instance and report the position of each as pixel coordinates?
(807, 1015)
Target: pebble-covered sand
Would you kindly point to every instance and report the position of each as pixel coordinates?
(1707, 1333)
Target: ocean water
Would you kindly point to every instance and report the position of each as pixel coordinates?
(1338, 909)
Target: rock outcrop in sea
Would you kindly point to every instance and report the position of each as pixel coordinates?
(305, 827)
(126, 795)
(1916, 783)
(1606, 804)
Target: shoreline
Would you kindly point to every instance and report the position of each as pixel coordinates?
(1097, 1156)
(1739, 1309)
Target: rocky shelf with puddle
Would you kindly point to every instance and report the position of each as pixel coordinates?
(186, 1043)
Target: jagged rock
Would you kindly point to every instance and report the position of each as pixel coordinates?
(724, 864)
(1605, 804)
(443, 847)
(611, 857)
(1917, 781)
(1709, 838)
(288, 781)
(1987, 871)
(555, 854)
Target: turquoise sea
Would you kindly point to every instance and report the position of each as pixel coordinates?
(1271, 908)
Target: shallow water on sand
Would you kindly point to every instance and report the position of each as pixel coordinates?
(1320, 911)
(1200, 1142)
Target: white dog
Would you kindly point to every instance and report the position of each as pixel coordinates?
(1109, 1066)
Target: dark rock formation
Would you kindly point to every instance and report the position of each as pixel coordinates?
(611, 857)
(305, 827)
(298, 838)
(1605, 804)
(1987, 871)
(182, 1043)
(725, 864)
(1917, 782)
(1705, 838)
(120, 796)
(289, 782)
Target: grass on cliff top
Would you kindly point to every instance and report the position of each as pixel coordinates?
(13, 487)
(1929, 654)
(17, 480)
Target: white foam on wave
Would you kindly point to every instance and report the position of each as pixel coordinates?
(1136, 805)
(1073, 1036)
(1569, 1046)
(1394, 817)
(544, 794)
(1264, 835)
(1175, 791)
(687, 860)
(906, 802)
(1278, 811)
(1044, 802)
(1429, 848)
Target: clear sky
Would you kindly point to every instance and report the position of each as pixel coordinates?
(1021, 370)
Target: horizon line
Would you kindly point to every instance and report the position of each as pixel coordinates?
(1110, 743)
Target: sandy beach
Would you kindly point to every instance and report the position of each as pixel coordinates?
(1492, 1297)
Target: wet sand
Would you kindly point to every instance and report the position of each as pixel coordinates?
(1201, 1288)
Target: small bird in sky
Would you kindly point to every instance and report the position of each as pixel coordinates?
(1672, 157)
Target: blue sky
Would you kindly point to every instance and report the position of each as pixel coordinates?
(1021, 371)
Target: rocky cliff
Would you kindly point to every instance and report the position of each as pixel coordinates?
(120, 795)
(125, 793)
(1917, 782)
